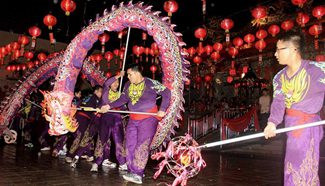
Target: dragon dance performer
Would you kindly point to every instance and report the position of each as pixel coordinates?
(140, 95)
(80, 145)
(110, 125)
(298, 97)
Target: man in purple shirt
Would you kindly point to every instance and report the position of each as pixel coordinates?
(298, 97)
(140, 95)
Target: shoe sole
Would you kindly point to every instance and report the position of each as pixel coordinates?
(130, 180)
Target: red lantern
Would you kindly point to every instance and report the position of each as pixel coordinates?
(8, 68)
(259, 13)
(232, 72)
(170, 7)
(302, 19)
(197, 60)
(274, 30)
(68, 6)
(116, 52)
(30, 64)
(299, 3)
(320, 58)
(191, 51)
(208, 49)
(28, 55)
(200, 50)
(15, 45)
(238, 42)
(315, 30)
(319, 11)
(200, 33)
(103, 38)
(16, 54)
(4, 51)
(260, 45)
(227, 24)
(230, 79)
(108, 56)
(249, 38)
(108, 74)
(207, 78)
(98, 58)
(261, 34)
(198, 80)
(245, 69)
(23, 40)
(215, 56)
(137, 50)
(41, 56)
(233, 52)
(287, 25)
(153, 69)
(217, 47)
(34, 31)
(50, 21)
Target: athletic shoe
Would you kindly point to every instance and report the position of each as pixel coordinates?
(94, 168)
(123, 167)
(134, 178)
(107, 163)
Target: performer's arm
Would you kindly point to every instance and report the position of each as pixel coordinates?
(106, 88)
(124, 99)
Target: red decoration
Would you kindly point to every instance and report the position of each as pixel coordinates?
(97, 57)
(287, 25)
(50, 21)
(108, 56)
(217, 47)
(261, 34)
(230, 79)
(103, 38)
(16, 54)
(34, 31)
(191, 51)
(315, 30)
(116, 52)
(227, 24)
(320, 58)
(200, 33)
(198, 79)
(207, 78)
(299, 3)
(260, 45)
(23, 40)
(28, 55)
(200, 50)
(215, 56)
(259, 12)
(274, 30)
(197, 60)
(238, 42)
(233, 52)
(249, 38)
(68, 6)
(15, 45)
(170, 7)
(245, 69)
(319, 11)
(302, 19)
(153, 69)
(108, 74)
(208, 49)
(41, 56)
(137, 50)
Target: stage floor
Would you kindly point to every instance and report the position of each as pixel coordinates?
(25, 166)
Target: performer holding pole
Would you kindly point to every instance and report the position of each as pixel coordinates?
(140, 94)
(298, 97)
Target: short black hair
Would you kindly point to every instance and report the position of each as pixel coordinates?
(135, 67)
(97, 87)
(297, 38)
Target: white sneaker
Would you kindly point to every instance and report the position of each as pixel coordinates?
(45, 148)
(68, 159)
(74, 162)
(123, 167)
(84, 157)
(107, 163)
(61, 153)
(94, 168)
(134, 178)
(89, 159)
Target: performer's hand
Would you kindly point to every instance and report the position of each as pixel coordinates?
(161, 114)
(269, 130)
(122, 73)
(104, 108)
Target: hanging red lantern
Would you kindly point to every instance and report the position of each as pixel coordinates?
(238, 42)
(50, 21)
(15, 54)
(170, 7)
(319, 11)
(153, 69)
(98, 58)
(30, 65)
(320, 58)
(191, 51)
(155, 48)
(261, 34)
(116, 52)
(259, 13)
(197, 60)
(232, 72)
(8, 68)
(215, 56)
(15, 45)
(315, 31)
(260, 45)
(227, 24)
(287, 25)
(103, 38)
(245, 69)
(249, 39)
(34, 31)
(36, 63)
(299, 3)
(108, 56)
(108, 75)
(230, 79)
(274, 30)
(200, 50)
(23, 40)
(4, 51)
(217, 47)
(28, 55)
(137, 50)
(41, 56)
(68, 6)
(302, 19)
(208, 49)
(207, 78)
(233, 52)
(200, 33)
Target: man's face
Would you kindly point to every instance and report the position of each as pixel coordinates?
(114, 85)
(99, 92)
(132, 75)
(284, 52)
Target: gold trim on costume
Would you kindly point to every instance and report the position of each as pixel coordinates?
(307, 175)
(99, 150)
(112, 95)
(75, 143)
(136, 91)
(295, 89)
(141, 155)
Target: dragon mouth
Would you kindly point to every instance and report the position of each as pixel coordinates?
(57, 111)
